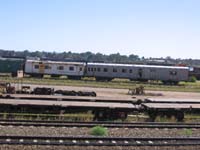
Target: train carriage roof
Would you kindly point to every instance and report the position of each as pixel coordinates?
(139, 66)
(108, 64)
(56, 62)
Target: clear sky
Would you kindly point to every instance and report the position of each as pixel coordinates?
(150, 28)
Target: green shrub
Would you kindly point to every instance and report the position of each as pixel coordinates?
(192, 79)
(188, 132)
(99, 131)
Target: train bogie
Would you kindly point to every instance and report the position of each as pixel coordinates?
(177, 114)
(108, 115)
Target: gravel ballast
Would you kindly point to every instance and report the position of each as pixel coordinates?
(20, 147)
(112, 132)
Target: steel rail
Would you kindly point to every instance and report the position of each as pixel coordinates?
(92, 124)
(99, 141)
(98, 122)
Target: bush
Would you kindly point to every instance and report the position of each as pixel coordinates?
(192, 79)
(99, 131)
(188, 132)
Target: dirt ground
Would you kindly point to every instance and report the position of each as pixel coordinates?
(123, 93)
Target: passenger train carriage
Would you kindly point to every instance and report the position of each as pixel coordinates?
(74, 70)
(107, 71)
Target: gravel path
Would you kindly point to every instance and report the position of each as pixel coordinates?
(125, 132)
(122, 93)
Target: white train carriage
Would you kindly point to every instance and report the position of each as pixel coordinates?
(73, 70)
(167, 74)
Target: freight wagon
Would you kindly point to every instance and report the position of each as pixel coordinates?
(11, 65)
(103, 109)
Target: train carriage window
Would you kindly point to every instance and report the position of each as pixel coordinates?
(94, 69)
(152, 70)
(124, 70)
(71, 68)
(105, 69)
(47, 67)
(89, 69)
(174, 73)
(98, 69)
(130, 71)
(36, 66)
(60, 67)
(81, 69)
(114, 69)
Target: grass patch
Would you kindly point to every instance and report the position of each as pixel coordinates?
(99, 131)
(192, 79)
(30, 116)
(187, 132)
(165, 119)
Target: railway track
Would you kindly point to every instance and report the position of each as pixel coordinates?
(92, 124)
(98, 141)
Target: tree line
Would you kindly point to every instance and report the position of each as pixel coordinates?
(97, 57)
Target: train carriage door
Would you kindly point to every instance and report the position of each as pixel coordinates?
(41, 68)
(173, 75)
(152, 74)
(93, 69)
(140, 73)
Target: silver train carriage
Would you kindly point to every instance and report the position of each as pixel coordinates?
(107, 71)
(73, 70)
(167, 74)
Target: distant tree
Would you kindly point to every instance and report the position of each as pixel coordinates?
(133, 57)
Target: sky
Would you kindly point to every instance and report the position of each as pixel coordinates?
(149, 28)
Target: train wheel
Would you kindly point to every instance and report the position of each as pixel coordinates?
(166, 82)
(97, 116)
(179, 116)
(168, 115)
(175, 82)
(109, 79)
(74, 77)
(123, 116)
(152, 115)
(93, 94)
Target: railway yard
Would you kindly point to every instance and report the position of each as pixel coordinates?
(148, 120)
(99, 75)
